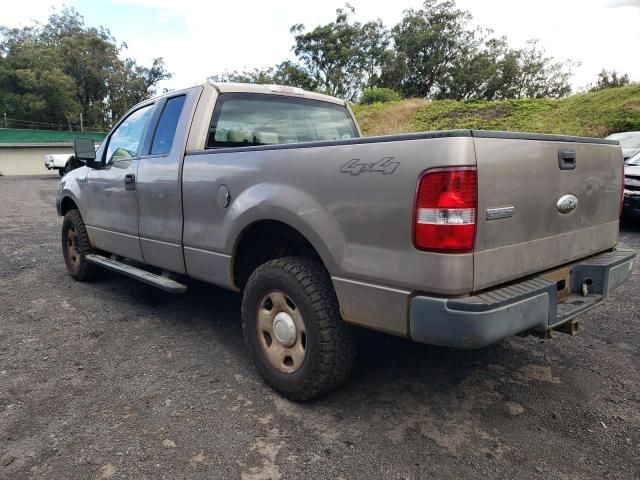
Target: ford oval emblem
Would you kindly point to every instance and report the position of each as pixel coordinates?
(567, 204)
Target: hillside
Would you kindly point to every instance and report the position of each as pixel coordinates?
(594, 114)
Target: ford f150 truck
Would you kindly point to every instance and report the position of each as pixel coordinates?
(456, 238)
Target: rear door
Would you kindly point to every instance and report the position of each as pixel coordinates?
(543, 201)
(113, 202)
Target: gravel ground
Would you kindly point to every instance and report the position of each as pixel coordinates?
(116, 379)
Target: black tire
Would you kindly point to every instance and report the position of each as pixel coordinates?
(68, 167)
(61, 171)
(329, 342)
(76, 246)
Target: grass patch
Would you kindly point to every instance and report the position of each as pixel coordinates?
(595, 114)
(389, 117)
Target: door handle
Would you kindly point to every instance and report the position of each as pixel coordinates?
(567, 159)
(130, 181)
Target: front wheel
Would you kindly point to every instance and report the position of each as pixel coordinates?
(76, 246)
(293, 328)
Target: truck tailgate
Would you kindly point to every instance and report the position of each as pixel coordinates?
(521, 229)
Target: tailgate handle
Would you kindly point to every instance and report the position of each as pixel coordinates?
(567, 159)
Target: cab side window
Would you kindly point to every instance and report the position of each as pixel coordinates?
(166, 130)
(125, 140)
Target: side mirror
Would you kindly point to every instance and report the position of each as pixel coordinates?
(85, 151)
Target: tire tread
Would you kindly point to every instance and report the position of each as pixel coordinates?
(336, 342)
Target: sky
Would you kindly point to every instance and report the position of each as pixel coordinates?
(198, 39)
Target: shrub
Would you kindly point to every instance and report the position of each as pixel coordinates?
(378, 95)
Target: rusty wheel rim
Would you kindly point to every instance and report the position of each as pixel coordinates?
(281, 331)
(73, 253)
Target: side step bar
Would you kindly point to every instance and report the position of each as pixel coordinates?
(149, 278)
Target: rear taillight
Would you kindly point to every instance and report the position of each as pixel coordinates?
(445, 210)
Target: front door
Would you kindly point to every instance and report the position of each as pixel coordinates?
(113, 203)
(159, 186)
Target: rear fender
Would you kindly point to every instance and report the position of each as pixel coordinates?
(292, 207)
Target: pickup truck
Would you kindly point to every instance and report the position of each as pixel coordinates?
(63, 162)
(455, 238)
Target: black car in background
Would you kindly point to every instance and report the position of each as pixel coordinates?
(631, 207)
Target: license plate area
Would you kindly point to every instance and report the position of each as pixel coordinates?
(562, 279)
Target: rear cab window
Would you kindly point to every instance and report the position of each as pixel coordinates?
(250, 119)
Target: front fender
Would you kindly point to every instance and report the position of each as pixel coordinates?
(73, 186)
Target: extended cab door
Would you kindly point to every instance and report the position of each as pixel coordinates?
(113, 203)
(159, 184)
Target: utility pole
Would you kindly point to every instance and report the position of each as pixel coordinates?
(81, 126)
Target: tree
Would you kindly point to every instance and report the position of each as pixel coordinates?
(476, 73)
(342, 56)
(610, 79)
(541, 76)
(493, 70)
(431, 53)
(286, 73)
(50, 73)
(427, 43)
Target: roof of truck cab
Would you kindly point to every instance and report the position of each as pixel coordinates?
(224, 87)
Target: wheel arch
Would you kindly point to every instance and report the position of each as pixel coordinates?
(66, 204)
(268, 239)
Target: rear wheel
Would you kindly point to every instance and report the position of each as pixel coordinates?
(76, 246)
(293, 328)
(61, 171)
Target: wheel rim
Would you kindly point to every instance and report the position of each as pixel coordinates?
(73, 253)
(281, 331)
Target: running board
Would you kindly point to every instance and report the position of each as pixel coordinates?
(163, 283)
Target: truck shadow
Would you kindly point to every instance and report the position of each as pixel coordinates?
(384, 363)
(399, 392)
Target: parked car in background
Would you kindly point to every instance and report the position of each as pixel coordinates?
(631, 207)
(63, 162)
(629, 141)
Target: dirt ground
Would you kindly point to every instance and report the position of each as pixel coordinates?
(119, 380)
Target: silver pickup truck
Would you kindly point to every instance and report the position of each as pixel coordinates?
(456, 238)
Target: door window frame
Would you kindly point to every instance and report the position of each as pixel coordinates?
(143, 138)
(155, 122)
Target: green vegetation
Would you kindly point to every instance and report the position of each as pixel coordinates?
(433, 52)
(378, 94)
(594, 114)
(66, 75)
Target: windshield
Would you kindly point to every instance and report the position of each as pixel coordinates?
(635, 160)
(627, 140)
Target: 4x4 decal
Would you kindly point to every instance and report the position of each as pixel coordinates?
(386, 166)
